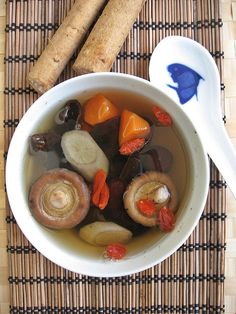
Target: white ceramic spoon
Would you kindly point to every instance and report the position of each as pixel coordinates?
(203, 84)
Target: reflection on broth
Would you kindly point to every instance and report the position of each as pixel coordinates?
(167, 137)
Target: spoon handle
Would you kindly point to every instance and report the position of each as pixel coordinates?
(221, 151)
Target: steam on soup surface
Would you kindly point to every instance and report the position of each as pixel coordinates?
(115, 140)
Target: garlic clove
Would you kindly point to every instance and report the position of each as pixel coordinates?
(161, 195)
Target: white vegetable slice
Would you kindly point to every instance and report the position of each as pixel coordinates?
(102, 233)
(83, 153)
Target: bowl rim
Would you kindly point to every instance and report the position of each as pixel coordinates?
(73, 263)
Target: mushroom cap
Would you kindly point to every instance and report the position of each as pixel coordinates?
(141, 186)
(59, 199)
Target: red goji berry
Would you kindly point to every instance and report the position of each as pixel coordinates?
(166, 219)
(100, 194)
(115, 251)
(162, 116)
(147, 207)
(132, 146)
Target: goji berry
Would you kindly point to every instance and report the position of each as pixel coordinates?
(100, 195)
(115, 251)
(166, 219)
(132, 146)
(104, 196)
(163, 117)
(147, 207)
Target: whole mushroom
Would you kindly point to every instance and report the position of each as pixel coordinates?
(154, 186)
(59, 199)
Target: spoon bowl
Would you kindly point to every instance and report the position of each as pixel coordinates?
(186, 71)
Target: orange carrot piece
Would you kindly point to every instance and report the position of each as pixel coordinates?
(132, 146)
(163, 117)
(99, 109)
(146, 207)
(132, 126)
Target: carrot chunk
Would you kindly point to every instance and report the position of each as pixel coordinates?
(99, 109)
(132, 126)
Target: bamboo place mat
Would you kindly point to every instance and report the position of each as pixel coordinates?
(192, 279)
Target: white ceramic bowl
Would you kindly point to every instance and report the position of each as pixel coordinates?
(78, 256)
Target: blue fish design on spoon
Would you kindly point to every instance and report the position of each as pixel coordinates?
(187, 80)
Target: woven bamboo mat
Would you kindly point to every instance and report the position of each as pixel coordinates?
(192, 279)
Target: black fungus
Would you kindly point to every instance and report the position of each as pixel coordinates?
(106, 135)
(115, 210)
(156, 158)
(132, 168)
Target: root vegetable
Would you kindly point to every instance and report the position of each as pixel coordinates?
(102, 233)
(83, 153)
(132, 126)
(63, 44)
(107, 36)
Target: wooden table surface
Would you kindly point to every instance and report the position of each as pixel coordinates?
(229, 37)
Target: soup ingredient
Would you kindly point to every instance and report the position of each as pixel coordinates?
(115, 210)
(71, 111)
(146, 206)
(63, 44)
(163, 117)
(131, 169)
(102, 233)
(132, 127)
(107, 36)
(115, 251)
(44, 141)
(59, 199)
(106, 135)
(94, 214)
(99, 109)
(83, 153)
(145, 187)
(132, 146)
(157, 157)
(100, 196)
(166, 219)
(66, 119)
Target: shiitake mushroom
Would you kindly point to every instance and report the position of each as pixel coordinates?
(152, 185)
(59, 199)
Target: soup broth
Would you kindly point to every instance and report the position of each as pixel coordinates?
(168, 137)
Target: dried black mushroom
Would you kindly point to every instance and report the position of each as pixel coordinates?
(71, 111)
(59, 199)
(66, 119)
(44, 141)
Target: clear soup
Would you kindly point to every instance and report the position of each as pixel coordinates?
(168, 137)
